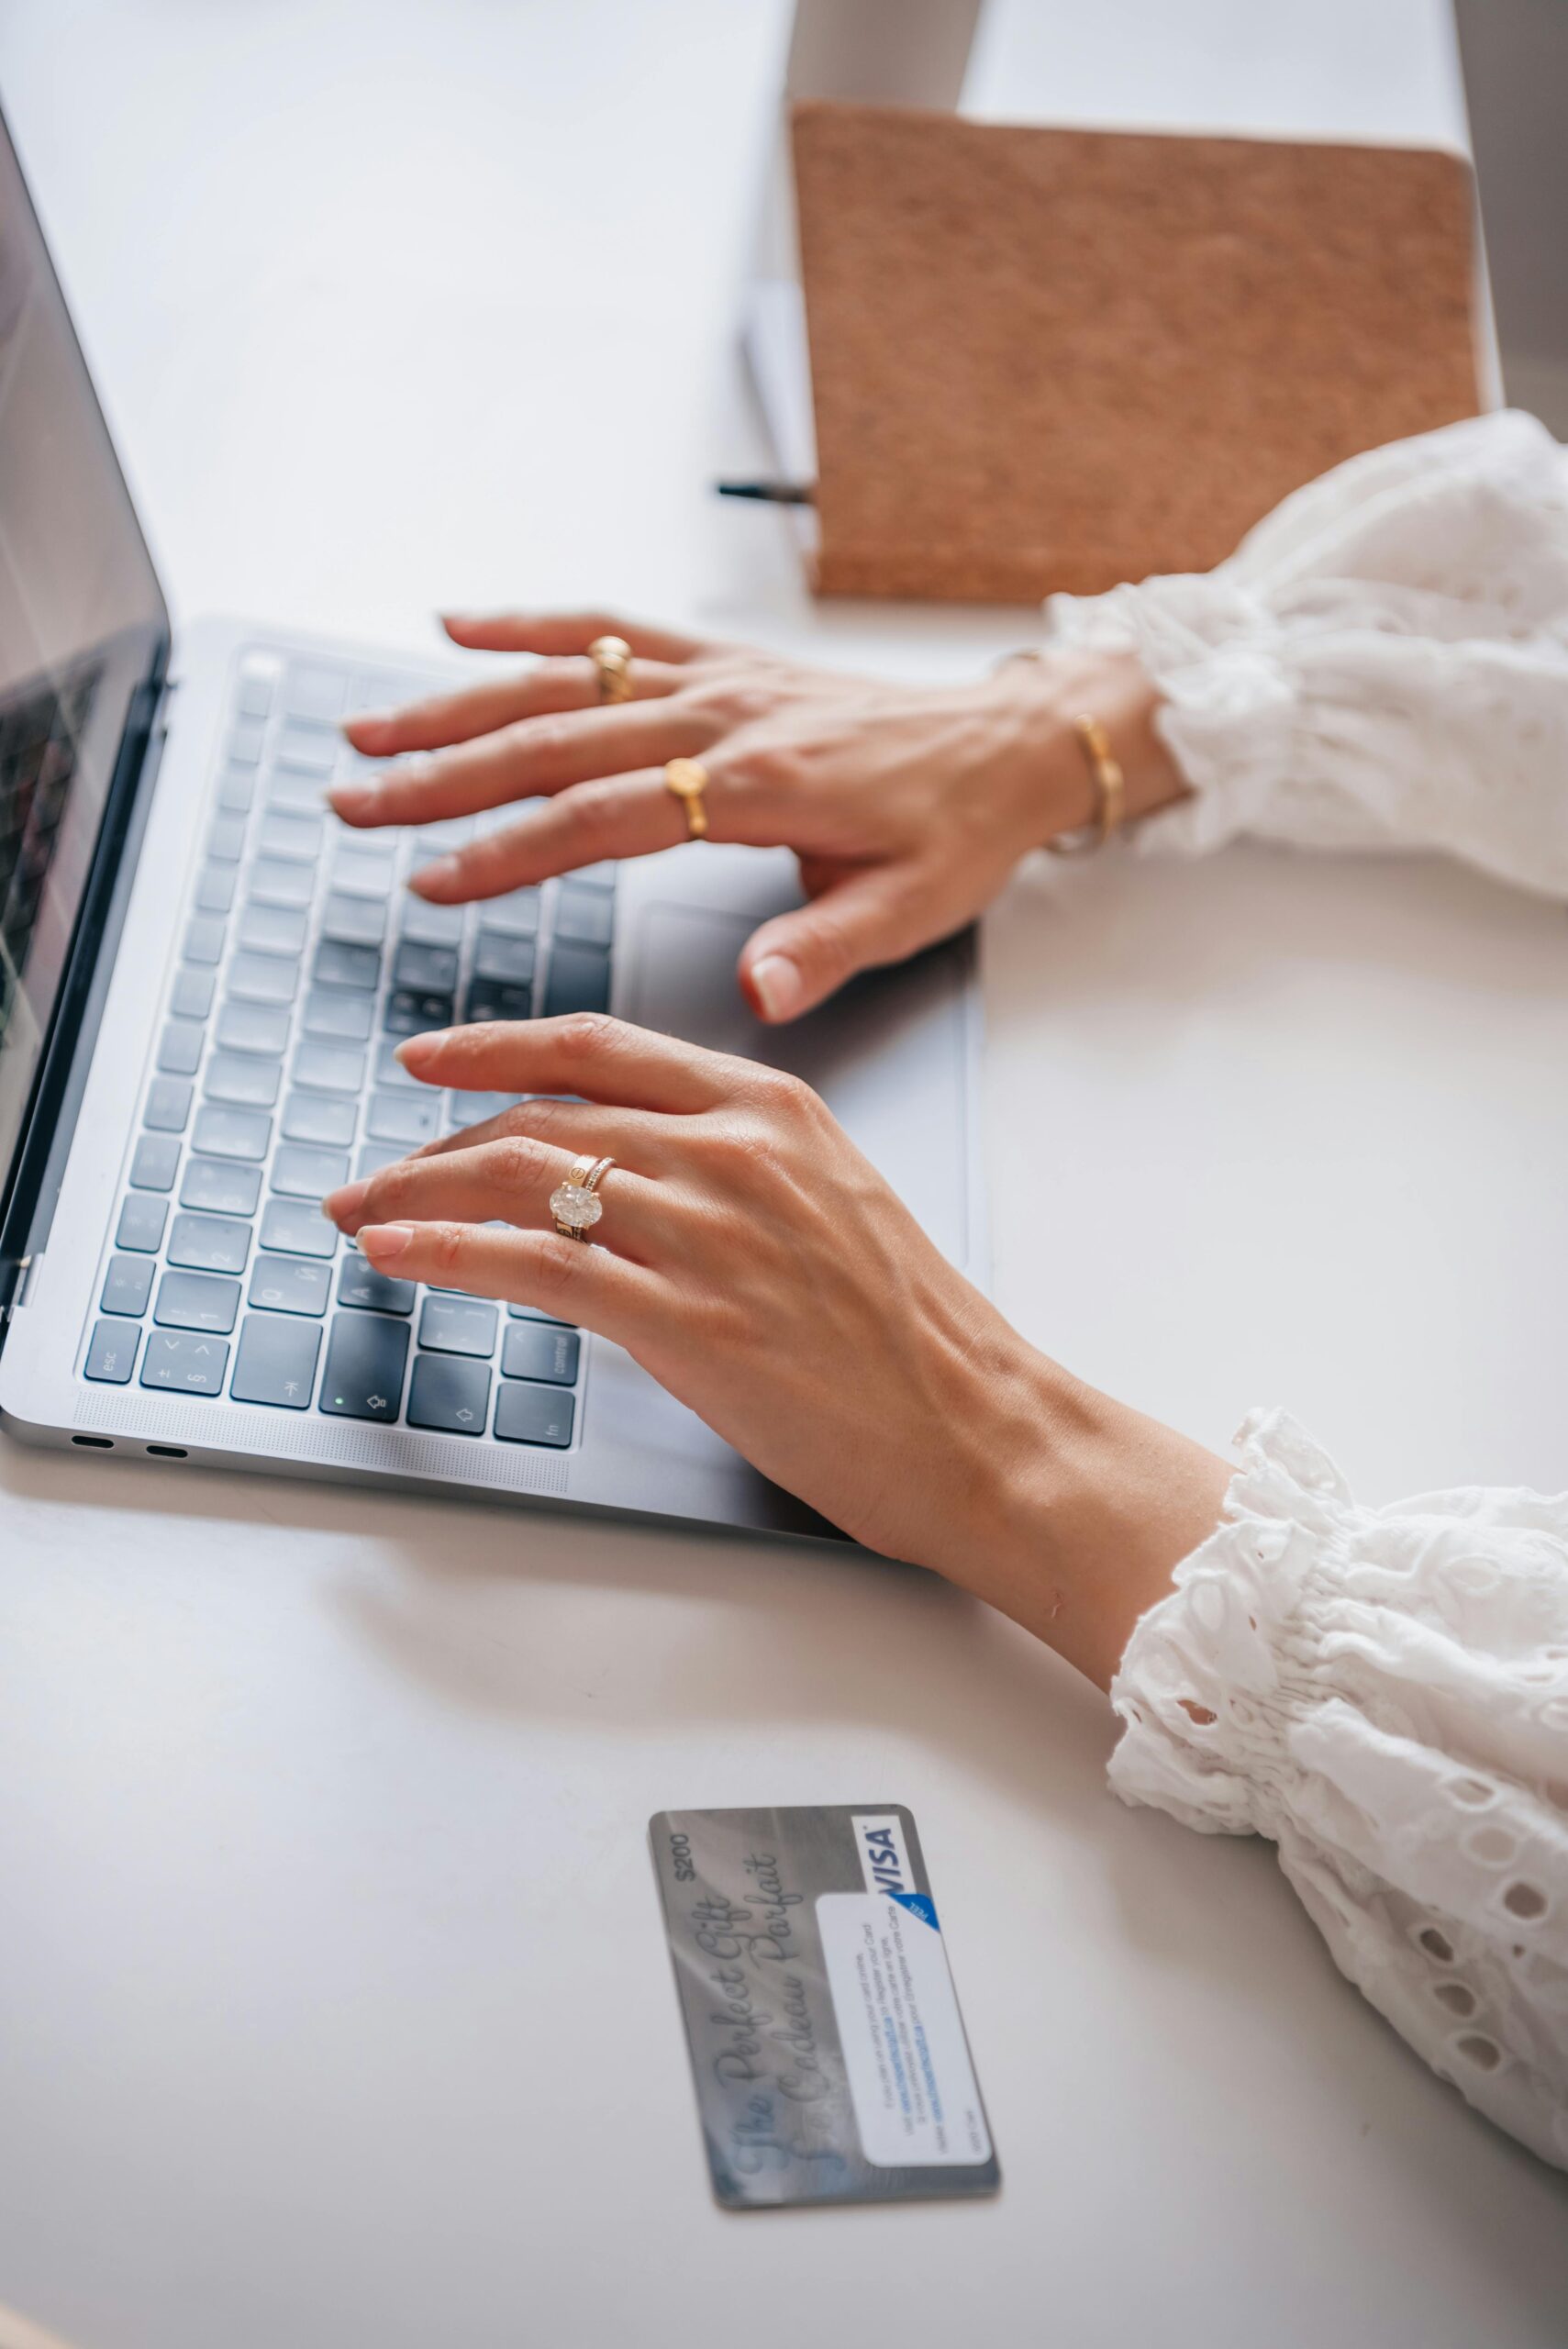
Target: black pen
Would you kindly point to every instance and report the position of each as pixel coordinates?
(770, 492)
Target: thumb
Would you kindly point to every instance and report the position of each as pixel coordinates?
(796, 961)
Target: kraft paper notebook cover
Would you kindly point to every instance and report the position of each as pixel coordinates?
(1057, 358)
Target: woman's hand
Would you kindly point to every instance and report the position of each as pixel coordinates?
(907, 808)
(761, 1269)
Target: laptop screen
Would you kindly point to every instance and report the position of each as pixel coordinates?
(81, 620)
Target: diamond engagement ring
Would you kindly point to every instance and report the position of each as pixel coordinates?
(576, 1204)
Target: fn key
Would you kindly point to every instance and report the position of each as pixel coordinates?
(363, 1378)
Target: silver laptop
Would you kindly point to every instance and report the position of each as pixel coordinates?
(204, 976)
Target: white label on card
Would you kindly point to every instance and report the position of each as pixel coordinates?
(911, 2082)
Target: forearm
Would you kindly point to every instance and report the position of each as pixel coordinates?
(1082, 1508)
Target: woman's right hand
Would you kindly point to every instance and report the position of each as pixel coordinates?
(907, 806)
(762, 1271)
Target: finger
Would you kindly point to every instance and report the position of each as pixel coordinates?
(796, 961)
(538, 755)
(602, 1059)
(508, 1181)
(565, 632)
(549, 687)
(639, 1138)
(587, 1286)
(615, 816)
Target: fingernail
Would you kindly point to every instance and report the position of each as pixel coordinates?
(368, 721)
(344, 1204)
(354, 798)
(417, 1051)
(443, 874)
(775, 983)
(382, 1241)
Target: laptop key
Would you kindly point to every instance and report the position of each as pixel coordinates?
(430, 970)
(245, 741)
(314, 748)
(292, 792)
(337, 1013)
(167, 1105)
(408, 1118)
(426, 925)
(341, 965)
(513, 917)
(329, 1068)
(127, 1285)
(289, 1283)
(196, 1301)
(221, 1187)
(255, 697)
(586, 915)
(272, 881)
(365, 1358)
(541, 1349)
(412, 1013)
(226, 839)
(237, 790)
(579, 980)
(295, 839)
(508, 959)
(184, 1359)
(476, 1109)
(277, 1362)
(488, 1000)
(232, 1133)
(191, 998)
(209, 1244)
(271, 930)
(458, 1325)
(595, 876)
(319, 1117)
(179, 1048)
(154, 1163)
(361, 873)
(360, 1285)
(373, 1156)
(537, 1313)
(389, 1068)
(451, 1396)
(111, 1357)
(528, 1414)
(203, 940)
(215, 889)
(141, 1223)
(297, 1229)
(252, 1027)
(242, 1077)
(263, 978)
(300, 1173)
(357, 921)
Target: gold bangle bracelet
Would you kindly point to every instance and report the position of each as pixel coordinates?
(1110, 792)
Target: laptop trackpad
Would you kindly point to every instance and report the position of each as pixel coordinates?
(887, 1053)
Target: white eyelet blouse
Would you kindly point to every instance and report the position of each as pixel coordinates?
(1383, 1692)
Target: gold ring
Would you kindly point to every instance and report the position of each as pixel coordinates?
(686, 780)
(611, 657)
(576, 1204)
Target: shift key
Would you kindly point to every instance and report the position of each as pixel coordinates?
(365, 1359)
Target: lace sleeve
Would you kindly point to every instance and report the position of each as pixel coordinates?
(1383, 1693)
(1384, 662)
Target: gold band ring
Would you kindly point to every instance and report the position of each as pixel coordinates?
(686, 780)
(576, 1204)
(611, 657)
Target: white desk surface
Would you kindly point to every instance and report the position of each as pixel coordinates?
(335, 2005)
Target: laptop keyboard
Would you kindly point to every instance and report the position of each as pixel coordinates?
(304, 961)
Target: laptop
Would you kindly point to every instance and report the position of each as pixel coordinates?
(203, 979)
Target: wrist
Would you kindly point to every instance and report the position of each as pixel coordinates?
(1050, 787)
(1083, 1509)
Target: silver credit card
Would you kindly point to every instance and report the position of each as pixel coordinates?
(829, 2052)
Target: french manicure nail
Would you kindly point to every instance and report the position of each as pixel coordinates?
(777, 985)
(439, 875)
(344, 1204)
(382, 1241)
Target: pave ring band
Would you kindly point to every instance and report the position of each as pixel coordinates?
(611, 657)
(686, 780)
(576, 1204)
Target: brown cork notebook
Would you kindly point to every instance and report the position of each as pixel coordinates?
(1057, 358)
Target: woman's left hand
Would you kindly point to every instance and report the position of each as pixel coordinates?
(761, 1270)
